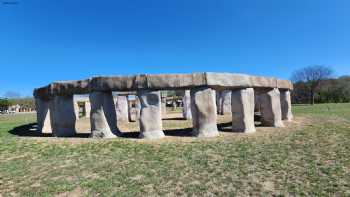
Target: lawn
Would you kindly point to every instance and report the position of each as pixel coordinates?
(310, 157)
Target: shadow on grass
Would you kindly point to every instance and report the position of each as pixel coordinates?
(30, 130)
(176, 118)
(183, 132)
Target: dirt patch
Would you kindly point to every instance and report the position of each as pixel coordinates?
(178, 130)
(77, 192)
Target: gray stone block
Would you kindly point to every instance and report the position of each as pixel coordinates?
(270, 104)
(62, 116)
(150, 115)
(43, 115)
(218, 101)
(225, 102)
(186, 108)
(122, 108)
(243, 110)
(203, 109)
(286, 105)
(103, 115)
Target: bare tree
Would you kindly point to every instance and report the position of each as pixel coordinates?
(312, 77)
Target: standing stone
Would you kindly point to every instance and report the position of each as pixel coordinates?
(218, 101)
(151, 115)
(174, 105)
(103, 115)
(203, 109)
(186, 105)
(122, 109)
(87, 109)
(270, 104)
(163, 106)
(225, 102)
(163, 95)
(286, 105)
(76, 109)
(43, 115)
(134, 109)
(243, 110)
(63, 116)
(257, 103)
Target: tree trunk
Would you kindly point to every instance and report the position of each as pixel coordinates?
(312, 97)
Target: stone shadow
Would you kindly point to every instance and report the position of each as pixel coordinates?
(182, 132)
(175, 118)
(30, 130)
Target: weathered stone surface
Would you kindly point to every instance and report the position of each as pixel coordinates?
(134, 109)
(103, 115)
(257, 106)
(160, 82)
(227, 80)
(263, 82)
(270, 104)
(225, 104)
(117, 83)
(87, 109)
(43, 115)
(62, 116)
(122, 108)
(76, 110)
(173, 81)
(286, 105)
(284, 84)
(243, 110)
(163, 106)
(186, 101)
(202, 85)
(150, 116)
(134, 114)
(203, 109)
(218, 101)
(42, 92)
(70, 87)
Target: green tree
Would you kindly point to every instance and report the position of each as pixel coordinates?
(312, 77)
(4, 103)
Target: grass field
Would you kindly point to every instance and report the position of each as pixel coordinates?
(310, 157)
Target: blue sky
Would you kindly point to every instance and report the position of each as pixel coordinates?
(43, 41)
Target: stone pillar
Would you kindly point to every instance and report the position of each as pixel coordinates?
(243, 110)
(63, 116)
(270, 104)
(286, 105)
(163, 106)
(204, 112)
(218, 101)
(174, 106)
(186, 105)
(122, 109)
(87, 109)
(103, 115)
(257, 103)
(43, 115)
(151, 114)
(76, 109)
(225, 102)
(163, 97)
(134, 111)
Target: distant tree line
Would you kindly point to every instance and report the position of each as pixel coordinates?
(22, 102)
(315, 84)
(4, 104)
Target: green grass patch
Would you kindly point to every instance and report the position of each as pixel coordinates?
(308, 160)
